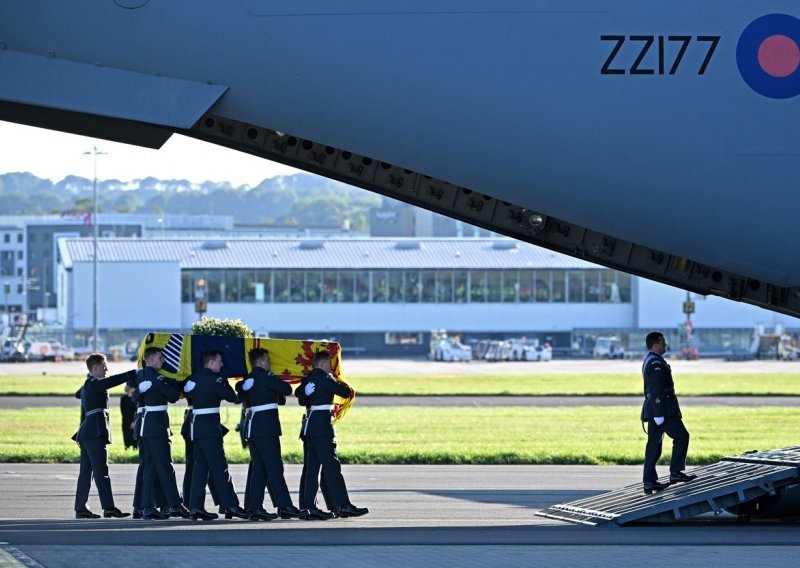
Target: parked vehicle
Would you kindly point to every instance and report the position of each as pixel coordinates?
(46, 351)
(608, 348)
(444, 348)
(528, 350)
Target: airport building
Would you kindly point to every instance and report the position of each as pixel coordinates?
(380, 296)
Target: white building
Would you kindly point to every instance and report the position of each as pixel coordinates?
(380, 295)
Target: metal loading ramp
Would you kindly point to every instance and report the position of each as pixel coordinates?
(727, 484)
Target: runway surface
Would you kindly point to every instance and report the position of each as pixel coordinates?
(420, 516)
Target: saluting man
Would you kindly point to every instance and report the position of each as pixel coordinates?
(207, 389)
(319, 388)
(93, 437)
(663, 416)
(156, 392)
(263, 392)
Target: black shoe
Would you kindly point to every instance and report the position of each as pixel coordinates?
(350, 510)
(262, 515)
(654, 487)
(179, 511)
(290, 512)
(86, 514)
(238, 512)
(115, 513)
(681, 477)
(154, 515)
(201, 515)
(137, 513)
(314, 514)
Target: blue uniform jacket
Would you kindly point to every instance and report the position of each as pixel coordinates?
(659, 390)
(210, 389)
(266, 389)
(94, 397)
(162, 392)
(325, 387)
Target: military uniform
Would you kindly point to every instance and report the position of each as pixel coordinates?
(154, 438)
(319, 436)
(302, 399)
(93, 436)
(205, 430)
(660, 401)
(189, 447)
(262, 428)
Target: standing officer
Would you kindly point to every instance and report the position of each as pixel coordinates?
(154, 437)
(319, 386)
(207, 389)
(93, 437)
(264, 392)
(663, 416)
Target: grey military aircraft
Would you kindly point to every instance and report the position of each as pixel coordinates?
(658, 138)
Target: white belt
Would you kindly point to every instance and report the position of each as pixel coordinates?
(253, 409)
(95, 411)
(197, 412)
(159, 408)
(328, 407)
(189, 407)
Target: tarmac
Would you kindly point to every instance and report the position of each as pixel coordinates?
(419, 516)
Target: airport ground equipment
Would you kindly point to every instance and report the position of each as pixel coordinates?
(751, 485)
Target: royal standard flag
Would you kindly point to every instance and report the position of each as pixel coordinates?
(290, 358)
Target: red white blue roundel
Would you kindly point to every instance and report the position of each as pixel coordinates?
(768, 56)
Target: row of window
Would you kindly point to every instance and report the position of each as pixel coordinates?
(7, 237)
(408, 286)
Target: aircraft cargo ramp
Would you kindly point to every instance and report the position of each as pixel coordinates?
(753, 484)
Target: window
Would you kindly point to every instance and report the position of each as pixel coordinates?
(428, 286)
(411, 286)
(609, 291)
(380, 286)
(6, 238)
(313, 286)
(624, 283)
(362, 286)
(477, 286)
(229, 289)
(296, 286)
(526, 285)
(403, 339)
(330, 286)
(460, 286)
(19, 237)
(592, 286)
(575, 284)
(347, 283)
(395, 286)
(510, 285)
(281, 286)
(444, 286)
(20, 254)
(494, 286)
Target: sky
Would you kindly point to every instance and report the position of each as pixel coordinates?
(55, 155)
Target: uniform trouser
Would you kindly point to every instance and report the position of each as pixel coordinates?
(94, 463)
(210, 464)
(321, 453)
(158, 469)
(674, 428)
(323, 483)
(187, 478)
(158, 494)
(265, 453)
(248, 493)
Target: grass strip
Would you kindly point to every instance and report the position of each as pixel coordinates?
(423, 435)
(779, 384)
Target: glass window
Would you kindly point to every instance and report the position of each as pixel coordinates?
(494, 284)
(330, 286)
(281, 286)
(19, 255)
(187, 287)
(248, 286)
(347, 283)
(477, 286)
(362, 286)
(395, 286)
(609, 291)
(510, 286)
(624, 283)
(558, 286)
(380, 286)
(19, 237)
(403, 339)
(229, 289)
(313, 286)
(460, 283)
(428, 286)
(575, 285)
(214, 286)
(592, 285)
(296, 286)
(444, 286)
(411, 286)
(526, 285)
(6, 238)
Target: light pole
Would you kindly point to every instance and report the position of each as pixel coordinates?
(6, 291)
(94, 152)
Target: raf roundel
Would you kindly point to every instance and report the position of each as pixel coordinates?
(768, 56)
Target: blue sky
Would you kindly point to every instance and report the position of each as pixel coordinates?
(54, 155)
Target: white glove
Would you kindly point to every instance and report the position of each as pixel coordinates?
(248, 384)
(144, 385)
(309, 390)
(189, 386)
(659, 420)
